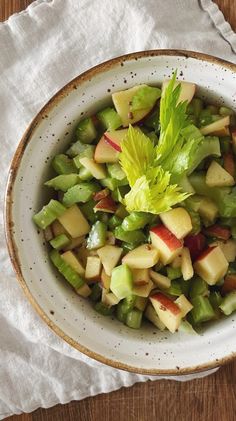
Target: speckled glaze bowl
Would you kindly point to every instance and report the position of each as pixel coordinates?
(147, 350)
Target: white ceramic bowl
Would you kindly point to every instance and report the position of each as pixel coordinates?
(146, 350)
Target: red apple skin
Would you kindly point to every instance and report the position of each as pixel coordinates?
(101, 195)
(167, 237)
(166, 303)
(229, 284)
(229, 163)
(205, 253)
(196, 244)
(104, 150)
(111, 142)
(106, 204)
(219, 232)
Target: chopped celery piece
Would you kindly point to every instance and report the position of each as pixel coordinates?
(63, 165)
(186, 185)
(226, 111)
(88, 152)
(97, 236)
(78, 148)
(85, 131)
(88, 212)
(196, 221)
(198, 287)
(212, 109)
(134, 318)
(185, 286)
(119, 193)
(110, 183)
(121, 211)
(228, 304)
(114, 222)
(209, 146)
(202, 309)
(173, 273)
(48, 214)
(66, 270)
(136, 220)
(85, 174)
(197, 106)
(96, 293)
(115, 171)
(63, 182)
(60, 241)
(128, 247)
(186, 327)
(109, 119)
(128, 303)
(205, 118)
(81, 192)
(175, 289)
(215, 299)
(135, 237)
(103, 309)
(121, 316)
(121, 281)
(145, 97)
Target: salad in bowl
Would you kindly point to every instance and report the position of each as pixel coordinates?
(142, 217)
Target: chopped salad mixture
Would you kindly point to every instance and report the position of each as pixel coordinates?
(143, 217)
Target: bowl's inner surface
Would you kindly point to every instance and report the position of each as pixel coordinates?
(148, 348)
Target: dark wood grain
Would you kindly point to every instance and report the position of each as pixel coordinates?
(213, 398)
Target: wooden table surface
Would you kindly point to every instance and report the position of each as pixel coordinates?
(212, 398)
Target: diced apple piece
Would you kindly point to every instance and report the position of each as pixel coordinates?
(178, 221)
(74, 222)
(142, 257)
(105, 279)
(184, 305)
(110, 238)
(141, 303)
(176, 262)
(208, 210)
(106, 205)
(74, 243)
(229, 249)
(222, 132)
(97, 170)
(110, 256)
(229, 284)
(215, 126)
(143, 290)
(160, 280)
(152, 316)
(93, 268)
(218, 231)
(217, 176)
(58, 228)
(70, 258)
(166, 243)
(186, 264)
(140, 277)
(104, 153)
(122, 101)
(196, 244)
(187, 90)
(101, 194)
(82, 254)
(48, 233)
(84, 291)
(211, 265)
(229, 163)
(168, 311)
(115, 137)
(109, 299)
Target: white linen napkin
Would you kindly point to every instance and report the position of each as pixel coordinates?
(41, 50)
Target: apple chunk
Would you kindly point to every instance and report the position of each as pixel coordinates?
(168, 311)
(168, 245)
(215, 126)
(104, 153)
(178, 221)
(187, 90)
(70, 258)
(160, 280)
(211, 265)
(143, 290)
(140, 277)
(115, 137)
(93, 268)
(184, 305)
(142, 257)
(152, 316)
(74, 222)
(110, 256)
(105, 279)
(122, 101)
(106, 204)
(217, 176)
(186, 264)
(97, 170)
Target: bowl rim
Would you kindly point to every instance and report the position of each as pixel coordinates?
(9, 224)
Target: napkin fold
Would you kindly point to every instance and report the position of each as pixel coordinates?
(42, 49)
